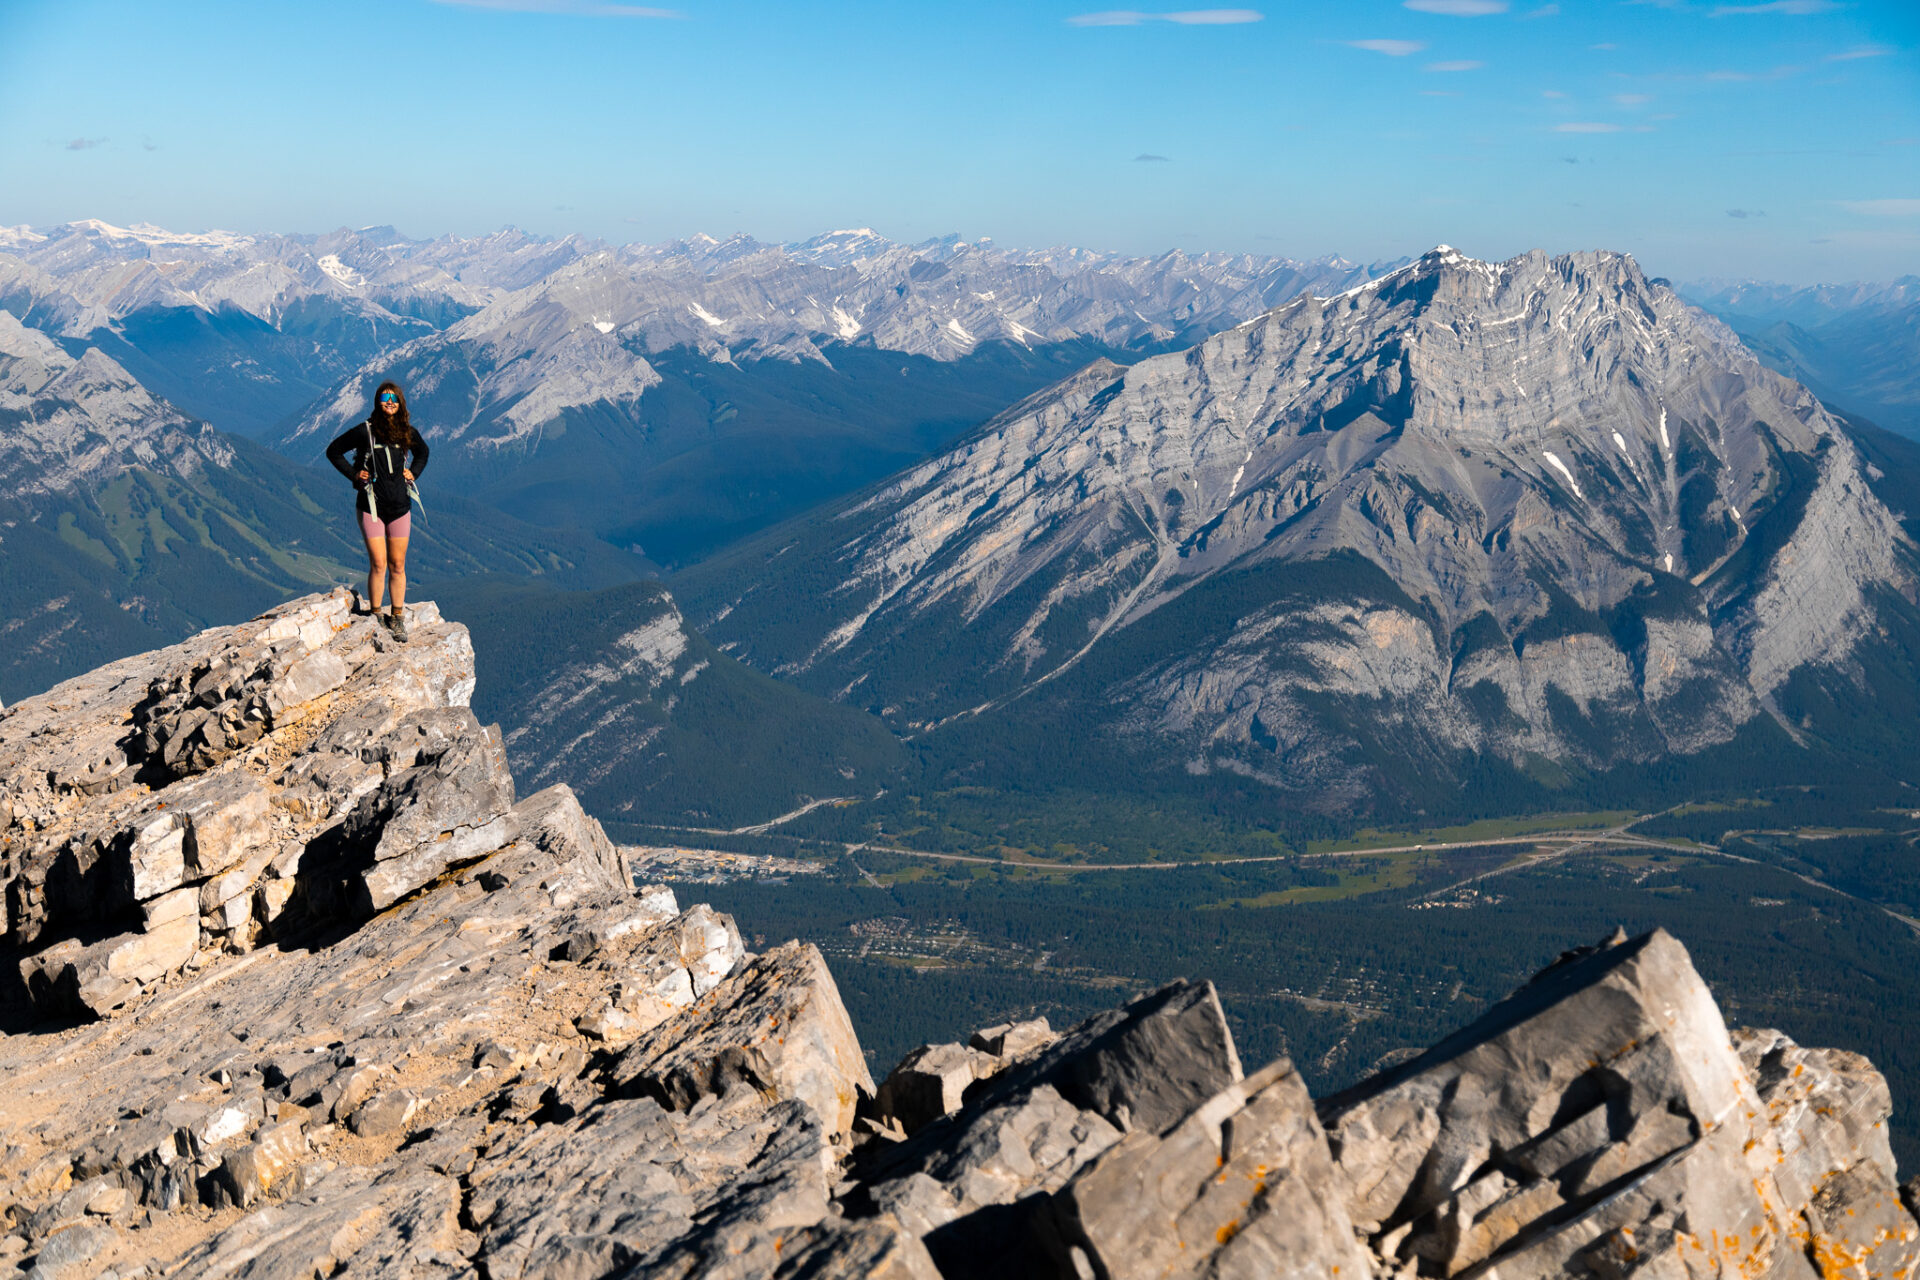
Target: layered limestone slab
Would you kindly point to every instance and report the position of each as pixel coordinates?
(1243, 1187)
(1600, 1114)
(189, 783)
(777, 1026)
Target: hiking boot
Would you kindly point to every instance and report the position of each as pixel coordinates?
(397, 623)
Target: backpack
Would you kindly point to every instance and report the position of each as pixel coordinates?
(372, 474)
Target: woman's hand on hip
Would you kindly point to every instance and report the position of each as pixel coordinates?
(408, 474)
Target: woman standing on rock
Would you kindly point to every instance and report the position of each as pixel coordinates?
(385, 480)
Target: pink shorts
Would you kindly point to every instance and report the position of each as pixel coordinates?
(372, 529)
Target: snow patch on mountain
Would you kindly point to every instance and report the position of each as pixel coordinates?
(1553, 460)
(338, 270)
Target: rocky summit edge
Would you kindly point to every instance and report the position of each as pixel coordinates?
(300, 986)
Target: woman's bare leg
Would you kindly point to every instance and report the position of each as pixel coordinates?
(376, 570)
(397, 571)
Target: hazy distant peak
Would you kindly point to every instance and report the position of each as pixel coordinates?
(23, 343)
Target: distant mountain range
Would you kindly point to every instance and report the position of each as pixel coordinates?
(1856, 345)
(680, 396)
(674, 396)
(245, 331)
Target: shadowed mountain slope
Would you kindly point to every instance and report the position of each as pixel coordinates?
(1857, 345)
(615, 693)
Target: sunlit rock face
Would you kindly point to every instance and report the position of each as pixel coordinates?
(1540, 508)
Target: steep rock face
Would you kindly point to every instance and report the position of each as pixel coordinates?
(585, 717)
(1535, 508)
(520, 1065)
(68, 420)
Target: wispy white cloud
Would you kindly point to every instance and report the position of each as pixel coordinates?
(1603, 48)
(1552, 93)
(1185, 18)
(578, 8)
(1586, 126)
(1797, 7)
(1633, 99)
(1439, 93)
(1458, 8)
(1883, 208)
(1464, 64)
(1392, 48)
(1742, 77)
(86, 144)
(1148, 158)
(1864, 51)
(1746, 213)
(1544, 11)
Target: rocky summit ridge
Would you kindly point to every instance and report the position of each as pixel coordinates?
(302, 987)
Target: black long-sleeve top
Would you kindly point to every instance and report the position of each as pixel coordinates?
(385, 463)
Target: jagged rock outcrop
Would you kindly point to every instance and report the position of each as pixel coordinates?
(1243, 1186)
(504, 1059)
(379, 1053)
(1599, 1120)
(184, 800)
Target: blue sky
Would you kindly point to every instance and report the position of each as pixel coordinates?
(1769, 138)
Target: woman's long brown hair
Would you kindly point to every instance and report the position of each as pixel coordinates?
(395, 430)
